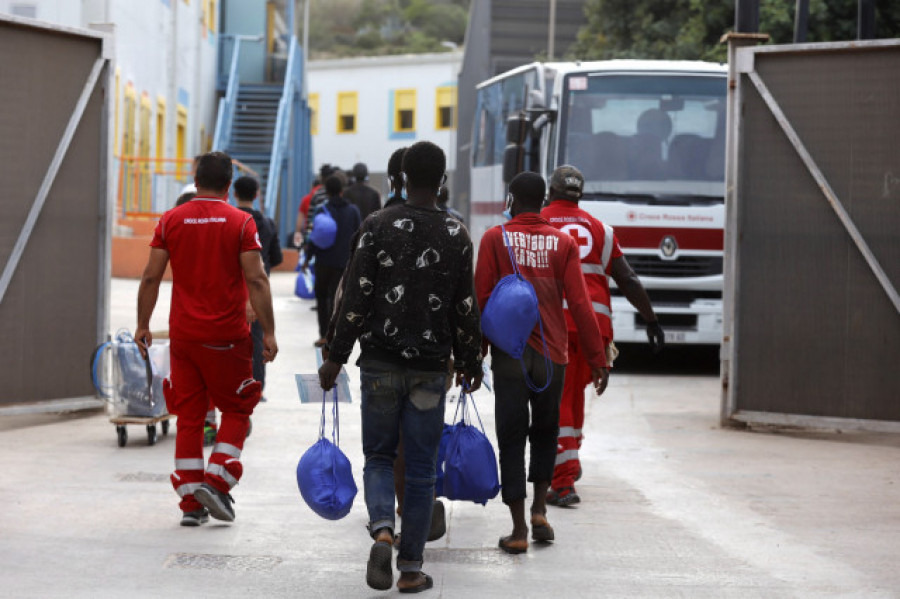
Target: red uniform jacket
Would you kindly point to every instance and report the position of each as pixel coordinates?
(548, 259)
(598, 247)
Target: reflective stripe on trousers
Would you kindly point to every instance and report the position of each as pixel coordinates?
(189, 464)
(219, 470)
(187, 489)
(565, 456)
(569, 431)
(227, 449)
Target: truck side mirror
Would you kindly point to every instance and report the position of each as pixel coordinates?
(517, 128)
(513, 156)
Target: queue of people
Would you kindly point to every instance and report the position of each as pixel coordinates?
(401, 280)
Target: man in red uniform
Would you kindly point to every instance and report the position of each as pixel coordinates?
(601, 258)
(214, 249)
(548, 259)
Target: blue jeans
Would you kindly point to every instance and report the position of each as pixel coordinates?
(395, 400)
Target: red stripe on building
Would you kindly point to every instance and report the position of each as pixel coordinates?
(491, 208)
(687, 239)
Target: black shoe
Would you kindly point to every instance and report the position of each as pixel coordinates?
(438, 522)
(564, 497)
(379, 574)
(217, 502)
(195, 518)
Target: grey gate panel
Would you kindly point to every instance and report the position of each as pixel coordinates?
(54, 230)
(814, 237)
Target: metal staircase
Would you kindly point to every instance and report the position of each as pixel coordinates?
(253, 132)
(266, 127)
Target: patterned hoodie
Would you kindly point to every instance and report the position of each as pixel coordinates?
(409, 296)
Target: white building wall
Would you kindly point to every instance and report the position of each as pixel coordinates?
(374, 79)
(180, 69)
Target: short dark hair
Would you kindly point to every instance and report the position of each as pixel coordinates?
(528, 188)
(360, 172)
(395, 164)
(214, 171)
(334, 185)
(245, 188)
(185, 198)
(325, 170)
(424, 164)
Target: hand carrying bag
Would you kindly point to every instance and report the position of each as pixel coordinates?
(324, 476)
(510, 315)
(304, 287)
(467, 464)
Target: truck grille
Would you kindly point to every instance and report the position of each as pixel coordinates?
(685, 266)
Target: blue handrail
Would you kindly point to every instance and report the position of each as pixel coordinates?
(227, 105)
(282, 123)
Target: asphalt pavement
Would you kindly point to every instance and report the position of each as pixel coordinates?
(672, 504)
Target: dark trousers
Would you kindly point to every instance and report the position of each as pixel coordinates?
(512, 401)
(259, 366)
(327, 280)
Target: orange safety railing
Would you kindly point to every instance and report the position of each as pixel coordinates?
(150, 186)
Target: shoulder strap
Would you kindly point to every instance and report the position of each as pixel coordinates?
(512, 257)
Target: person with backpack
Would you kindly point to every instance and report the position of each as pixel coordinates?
(330, 250)
(547, 259)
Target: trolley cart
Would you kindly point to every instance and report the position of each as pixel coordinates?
(132, 385)
(150, 423)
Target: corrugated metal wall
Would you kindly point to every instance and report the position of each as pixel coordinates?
(55, 306)
(815, 334)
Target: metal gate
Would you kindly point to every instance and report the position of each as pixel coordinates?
(812, 314)
(55, 224)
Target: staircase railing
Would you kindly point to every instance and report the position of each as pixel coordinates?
(290, 164)
(228, 103)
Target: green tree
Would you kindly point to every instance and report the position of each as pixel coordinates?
(691, 29)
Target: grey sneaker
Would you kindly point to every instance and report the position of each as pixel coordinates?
(217, 502)
(195, 518)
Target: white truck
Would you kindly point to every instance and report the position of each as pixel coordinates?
(649, 137)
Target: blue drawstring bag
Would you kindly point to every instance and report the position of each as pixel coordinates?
(324, 228)
(510, 315)
(467, 465)
(304, 288)
(324, 476)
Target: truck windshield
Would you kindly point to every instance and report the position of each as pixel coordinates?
(647, 135)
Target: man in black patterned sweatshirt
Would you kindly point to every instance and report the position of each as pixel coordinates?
(410, 300)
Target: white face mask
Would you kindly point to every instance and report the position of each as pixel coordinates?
(507, 210)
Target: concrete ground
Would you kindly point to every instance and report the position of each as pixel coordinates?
(672, 505)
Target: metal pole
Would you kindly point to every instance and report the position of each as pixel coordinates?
(551, 31)
(865, 26)
(801, 21)
(305, 37)
(746, 16)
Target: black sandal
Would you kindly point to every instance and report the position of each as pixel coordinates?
(422, 586)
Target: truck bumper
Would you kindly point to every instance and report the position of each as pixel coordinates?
(699, 323)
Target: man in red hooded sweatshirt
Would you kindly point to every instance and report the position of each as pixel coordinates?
(548, 259)
(601, 258)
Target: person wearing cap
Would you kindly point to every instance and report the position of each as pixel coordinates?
(361, 195)
(601, 258)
